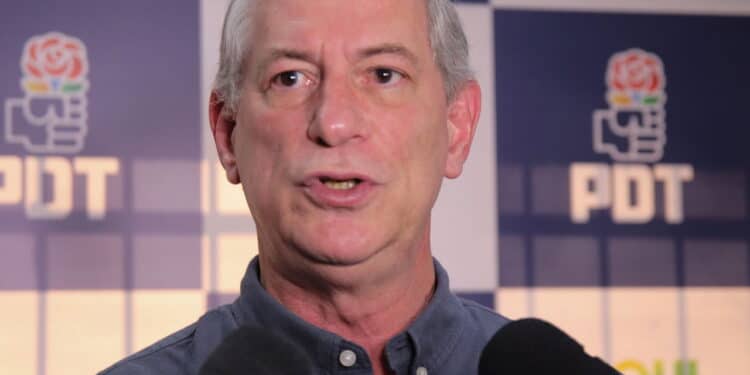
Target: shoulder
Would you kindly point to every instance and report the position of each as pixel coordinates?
(181, 352)
(478, 325)
(484, 320)
(166, 356)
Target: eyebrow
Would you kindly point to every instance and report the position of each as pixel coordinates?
(388, 49)
(380, 49)
(278, 53)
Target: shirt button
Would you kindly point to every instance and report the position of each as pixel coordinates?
(421, 370)
(347, 358)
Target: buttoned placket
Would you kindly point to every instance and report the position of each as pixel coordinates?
(350, 359)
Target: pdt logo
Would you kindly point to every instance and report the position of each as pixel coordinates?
(632, 132)
(51, 120)
(636, 97)
(54, 67)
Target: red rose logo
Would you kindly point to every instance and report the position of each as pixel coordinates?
(54, 56)
(635, 70)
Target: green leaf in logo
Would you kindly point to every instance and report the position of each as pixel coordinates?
(72, 87)
(651, 100)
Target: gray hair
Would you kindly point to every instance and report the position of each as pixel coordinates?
(447, 40)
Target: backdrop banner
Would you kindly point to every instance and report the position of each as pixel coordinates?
(607, 190)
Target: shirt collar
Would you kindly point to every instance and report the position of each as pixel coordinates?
(430, 337)
(437, 329)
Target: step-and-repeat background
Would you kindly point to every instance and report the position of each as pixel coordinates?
(607, 190)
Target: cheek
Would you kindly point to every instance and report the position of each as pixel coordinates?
(417, 140)
(431, 139)
(264, 140)
(255, 148)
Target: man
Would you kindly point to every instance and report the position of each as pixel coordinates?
(340, 118)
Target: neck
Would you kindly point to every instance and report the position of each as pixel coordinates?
(368, 312)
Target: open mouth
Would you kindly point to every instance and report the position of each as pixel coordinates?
(340, 184)
(339, 190)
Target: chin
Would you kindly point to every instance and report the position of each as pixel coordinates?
(339, 246)
(340, 254)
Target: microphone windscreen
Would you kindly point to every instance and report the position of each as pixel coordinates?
(533, 346)
(257, 351)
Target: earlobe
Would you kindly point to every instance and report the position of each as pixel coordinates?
(222, 128)
(463, 116)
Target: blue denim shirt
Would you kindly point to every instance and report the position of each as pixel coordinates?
(445, 339)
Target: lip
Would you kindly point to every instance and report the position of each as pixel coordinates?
(326, 197)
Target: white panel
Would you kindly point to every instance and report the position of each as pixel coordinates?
(205, 184)
(234, 253)
(464, 226)
(577, 311)
(718, 7)
(159, 313)
(718, 329)
(85, 331)
(513, 303)
(19, 332)
(208, 283)
(230, 199)
(644, 328)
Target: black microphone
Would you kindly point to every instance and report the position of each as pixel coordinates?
(257, 351)
(535, 347)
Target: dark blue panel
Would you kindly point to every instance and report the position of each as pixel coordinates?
(167, 262)
(566, 260)
(716, 263)
(510, 191)
(144, 74)
(85, 261)
(550, 78)
(635, 261)
(513, 265)
(143, 102)
(17, 262)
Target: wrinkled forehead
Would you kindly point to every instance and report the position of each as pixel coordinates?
(344, 24)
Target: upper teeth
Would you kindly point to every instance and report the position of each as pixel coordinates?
(340, 185)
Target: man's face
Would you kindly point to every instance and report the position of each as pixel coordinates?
(342, 135)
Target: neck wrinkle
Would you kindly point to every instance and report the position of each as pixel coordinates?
(368, 315)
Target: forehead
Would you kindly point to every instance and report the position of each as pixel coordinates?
(348, 24)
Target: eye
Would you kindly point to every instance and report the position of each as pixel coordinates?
(290, 79)
(385, 76)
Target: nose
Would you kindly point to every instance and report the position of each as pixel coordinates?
(337, 117)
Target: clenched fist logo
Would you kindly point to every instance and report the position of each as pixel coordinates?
(52, 115)
(634, 127)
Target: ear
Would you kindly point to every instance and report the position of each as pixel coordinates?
(463, 115)
(222, 126)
